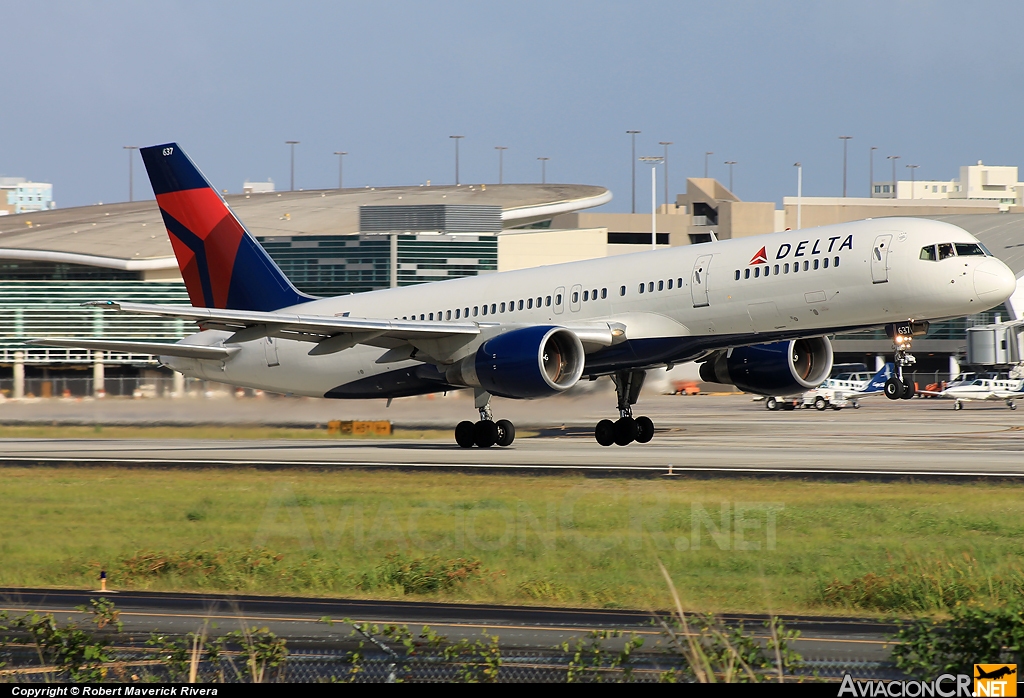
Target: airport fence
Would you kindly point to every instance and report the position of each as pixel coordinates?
(336, 665)
(59, 386)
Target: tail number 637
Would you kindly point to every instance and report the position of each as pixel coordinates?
(168, 151)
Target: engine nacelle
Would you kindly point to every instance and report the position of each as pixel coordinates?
(780, 368)
(526, 363)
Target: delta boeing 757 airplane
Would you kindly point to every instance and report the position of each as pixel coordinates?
(755, 311)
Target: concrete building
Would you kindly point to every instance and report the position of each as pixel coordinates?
(17, 195)
(981, 182)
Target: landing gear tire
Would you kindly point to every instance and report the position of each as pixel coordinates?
(464, 435)
(855, 405)
(485, 433)
(625, 431)
(820, 404)
(772, 404)
(506, 432)
(958, 405)
(605, 432)
(1011, 405)
(893, 388)
(909, 390)
(644, 430)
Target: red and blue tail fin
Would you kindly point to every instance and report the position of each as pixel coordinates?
(222, 264)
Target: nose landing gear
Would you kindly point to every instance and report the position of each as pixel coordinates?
(897, 387)
(486, 432)
(626, 429)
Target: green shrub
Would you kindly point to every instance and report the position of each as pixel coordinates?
(423, 575)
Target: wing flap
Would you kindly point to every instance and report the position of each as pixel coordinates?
(311, 328)
(185, 351)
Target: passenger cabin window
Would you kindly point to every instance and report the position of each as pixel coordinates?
(547, 302)
(575, 296)
(757, 272)
(746, 273)
(661, 285)
(503, 306)
(945, 250)
(824, 262)
(737, 274)
(431, 316)
(529, 304)
(593, 294)
(484, 309)
(448, 315)
(456, 313)
(968, 249)
(650, 287)
(807, 265)
(815, 263)
(520, 305)
(538, 301)
(558, 299)
(776, 270)
(604, 293)
(586, 295)
(476, 310)
(494, 308)
(622, 290)
(785, 268)
(643, 287)
(928, 253)
(835, 261)
(679, 282)
(670, 283)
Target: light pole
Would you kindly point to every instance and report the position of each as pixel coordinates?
(341, 159)
(730, 163)
(501, 162)
(871, 173)
(894, 158)
(632, 159)
(799, 192)
(706, 153)
(845, 140)
(131, 178)
(666, 144)
(654, 160)
(912, 168)
(543, 170)
(292, 144)
(456, 139)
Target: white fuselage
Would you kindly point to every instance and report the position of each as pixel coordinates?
(692, 302)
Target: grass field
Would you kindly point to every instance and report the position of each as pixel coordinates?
(731, 544)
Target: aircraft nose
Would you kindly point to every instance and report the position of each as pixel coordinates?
(993, 281)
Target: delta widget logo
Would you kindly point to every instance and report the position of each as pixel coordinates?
(760, 258)
(995, 680)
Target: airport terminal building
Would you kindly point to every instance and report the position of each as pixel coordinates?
(333, 242)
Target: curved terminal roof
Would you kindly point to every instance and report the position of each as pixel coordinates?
(131, 236)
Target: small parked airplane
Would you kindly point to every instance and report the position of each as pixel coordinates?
(755, 310)
(1005, 389)
(848, 388)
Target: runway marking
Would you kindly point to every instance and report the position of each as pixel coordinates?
(506, 466)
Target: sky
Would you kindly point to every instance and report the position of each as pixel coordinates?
(764, 84)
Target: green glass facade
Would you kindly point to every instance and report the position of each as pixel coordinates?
(333, 265)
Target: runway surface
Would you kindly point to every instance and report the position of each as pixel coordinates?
(301, 620)
(710, 434)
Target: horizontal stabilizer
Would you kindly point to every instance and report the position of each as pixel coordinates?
(184, 351)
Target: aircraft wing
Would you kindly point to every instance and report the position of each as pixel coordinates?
(403, 338)
(185, 351)
(248, 325)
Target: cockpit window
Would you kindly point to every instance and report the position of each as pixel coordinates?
(928, 253)
(985, 250)
(945, 250)
(969, 249)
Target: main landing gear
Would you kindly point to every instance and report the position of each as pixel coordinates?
(897, 387)
(486, 432)
(625, 429)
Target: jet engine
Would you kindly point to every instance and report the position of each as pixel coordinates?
(780, 368)
(530, 362)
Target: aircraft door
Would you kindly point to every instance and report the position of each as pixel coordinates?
(559, 300)
(270, 350)
(574, 298)
(699, 281)
(880, 259)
